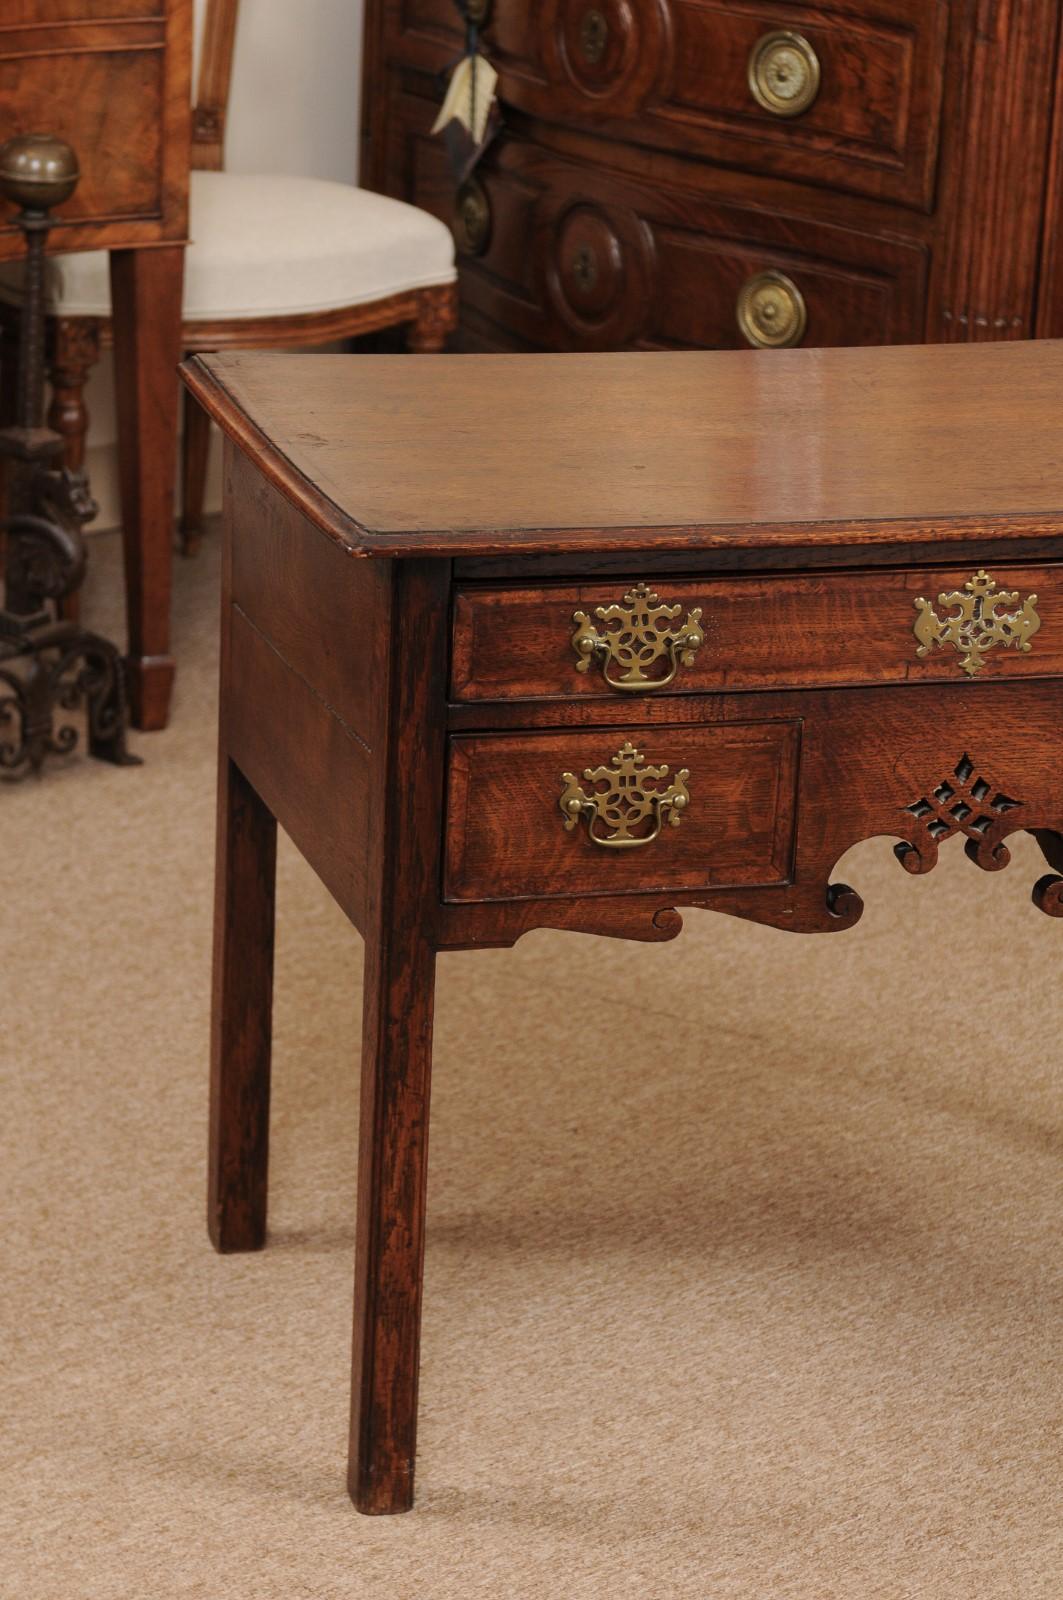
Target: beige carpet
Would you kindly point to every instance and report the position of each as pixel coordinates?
(744, 1274)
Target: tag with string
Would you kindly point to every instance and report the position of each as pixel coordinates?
(469, 117)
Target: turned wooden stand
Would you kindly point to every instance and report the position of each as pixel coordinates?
(571, 641)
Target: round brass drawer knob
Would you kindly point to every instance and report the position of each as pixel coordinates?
(784, 73)
(478, 11)
(593, 36)
(771, 311)
(473, 218)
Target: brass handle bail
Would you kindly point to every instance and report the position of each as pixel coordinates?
(629, 812)
(635, 637)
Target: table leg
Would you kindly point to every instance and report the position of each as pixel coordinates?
(392, 1169)
(146, 287)
(242, 1014)
(397, 1053)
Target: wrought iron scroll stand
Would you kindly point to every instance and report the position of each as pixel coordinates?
(49, 665)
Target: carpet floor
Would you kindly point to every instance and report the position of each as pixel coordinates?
(743, 1280)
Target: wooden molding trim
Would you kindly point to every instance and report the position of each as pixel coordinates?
(290, 333)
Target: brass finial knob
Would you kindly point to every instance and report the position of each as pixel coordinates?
(37, 171)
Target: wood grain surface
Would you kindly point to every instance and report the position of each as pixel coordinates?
(462, 456)
(847, 627)
(112, 77)
(506, 837)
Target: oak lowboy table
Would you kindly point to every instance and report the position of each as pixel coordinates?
(571, 641)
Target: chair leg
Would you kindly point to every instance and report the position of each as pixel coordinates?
(436, 319)
(74, 349)
(195, 454)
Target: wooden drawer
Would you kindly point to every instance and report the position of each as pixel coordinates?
(111, 77)
(759, 632)
(587, 258)
(721, 81)
(507, 837)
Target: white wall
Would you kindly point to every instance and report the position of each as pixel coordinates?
(294, 108)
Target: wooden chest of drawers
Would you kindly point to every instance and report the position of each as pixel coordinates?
(544, 684)
(721, 172)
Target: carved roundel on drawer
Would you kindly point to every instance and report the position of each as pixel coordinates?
(598, 271)
(610, 51)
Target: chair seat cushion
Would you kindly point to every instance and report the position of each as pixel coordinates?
(274, 246)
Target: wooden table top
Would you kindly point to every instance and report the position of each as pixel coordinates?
(480, 454)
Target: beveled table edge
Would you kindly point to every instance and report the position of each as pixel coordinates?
(217, 400)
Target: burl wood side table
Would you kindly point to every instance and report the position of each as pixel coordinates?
(514, 642)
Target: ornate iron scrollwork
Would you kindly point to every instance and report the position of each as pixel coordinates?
(47, 665)
(636, 636)
(976, 625)
(629, 804)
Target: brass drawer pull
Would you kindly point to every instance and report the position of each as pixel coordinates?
(784, 73)
(975, 625)
(629, 802)
(472, 218)
(772, 313)
(593, 36)
(636, 636)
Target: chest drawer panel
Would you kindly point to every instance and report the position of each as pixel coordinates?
(509, 838)
(757, 632)
(587, 258)
(846, 95)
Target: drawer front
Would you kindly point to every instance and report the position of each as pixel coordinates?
(566, 257)
(755, 633)
(722, 815)
(110, 77)
(847, 95)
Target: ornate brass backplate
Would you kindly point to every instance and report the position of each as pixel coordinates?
(976, 625)
(771, 310)
(635, 637)
(784, 73)
(629, 804)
